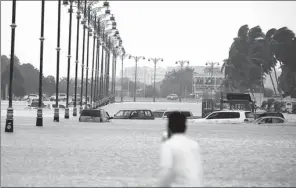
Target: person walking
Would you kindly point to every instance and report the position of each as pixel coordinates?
(180, 156)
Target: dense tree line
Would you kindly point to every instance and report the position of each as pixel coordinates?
(26, 80)
(254, 52)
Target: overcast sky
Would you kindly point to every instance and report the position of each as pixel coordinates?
(174, 30)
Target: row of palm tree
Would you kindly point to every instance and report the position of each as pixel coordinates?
(255, 54)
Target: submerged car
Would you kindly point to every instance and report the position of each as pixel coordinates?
(227, 116)
(134, 114)
(94, 115)
(165, 113)
(264, 114)
(158, 113)
(273, 120)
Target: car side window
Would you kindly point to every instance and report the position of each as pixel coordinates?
(126, 113)
(266, 120)
(212, 116)
(141, 113)
(223, 115)
(147, 113)
(277, 120)
(134, 114)
(233, 115)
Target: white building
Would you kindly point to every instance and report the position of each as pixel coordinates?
(145, 74)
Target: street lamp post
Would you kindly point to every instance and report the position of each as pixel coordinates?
(93, 64)
(136, 58)
(103, 45)
(39, 120)
(83, 51)
(56, 117)
(102, 67)
(212, 65)
(97, 62)
(154, 60)
(123, 56)
(87, 59)
(181, 63)
(9, 116)
(70, 10)
(107, 67)
(77, 61)
(261, 83)
(95, 10)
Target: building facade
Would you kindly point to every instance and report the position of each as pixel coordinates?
(145, 74)
(208, 81)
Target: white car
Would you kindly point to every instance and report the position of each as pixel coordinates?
(61, 96)
(227, 116)
(31, 97)
(172, 97)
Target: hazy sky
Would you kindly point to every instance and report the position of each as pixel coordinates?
(174, 30)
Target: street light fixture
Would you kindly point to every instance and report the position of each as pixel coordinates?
(116, 53)
(97, 60)
(87, 58)
(95, 10)
(211, 66)
(136, 58)
(83, 21)
(155, 60)
(103, 43)
(70, 10)
(56, 117)
(9, 116)
(123, 56)
(181, 63)
(39, 120)
(76, 61)
(93, 63)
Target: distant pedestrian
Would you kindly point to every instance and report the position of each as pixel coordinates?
(181, 163)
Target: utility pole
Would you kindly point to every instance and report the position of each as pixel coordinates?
(136, 58)
(212, 66)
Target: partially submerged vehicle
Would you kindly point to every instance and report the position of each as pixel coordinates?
(163, 114)
(142, 114)
(227, 116)
(264, 114)
(94, 115)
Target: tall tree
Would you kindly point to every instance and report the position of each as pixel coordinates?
(172, 80)
(283, 46)
(18, 80)
(247, 53)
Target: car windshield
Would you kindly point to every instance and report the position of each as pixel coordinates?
(92, 113)
(158, 114)
(123, 113)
